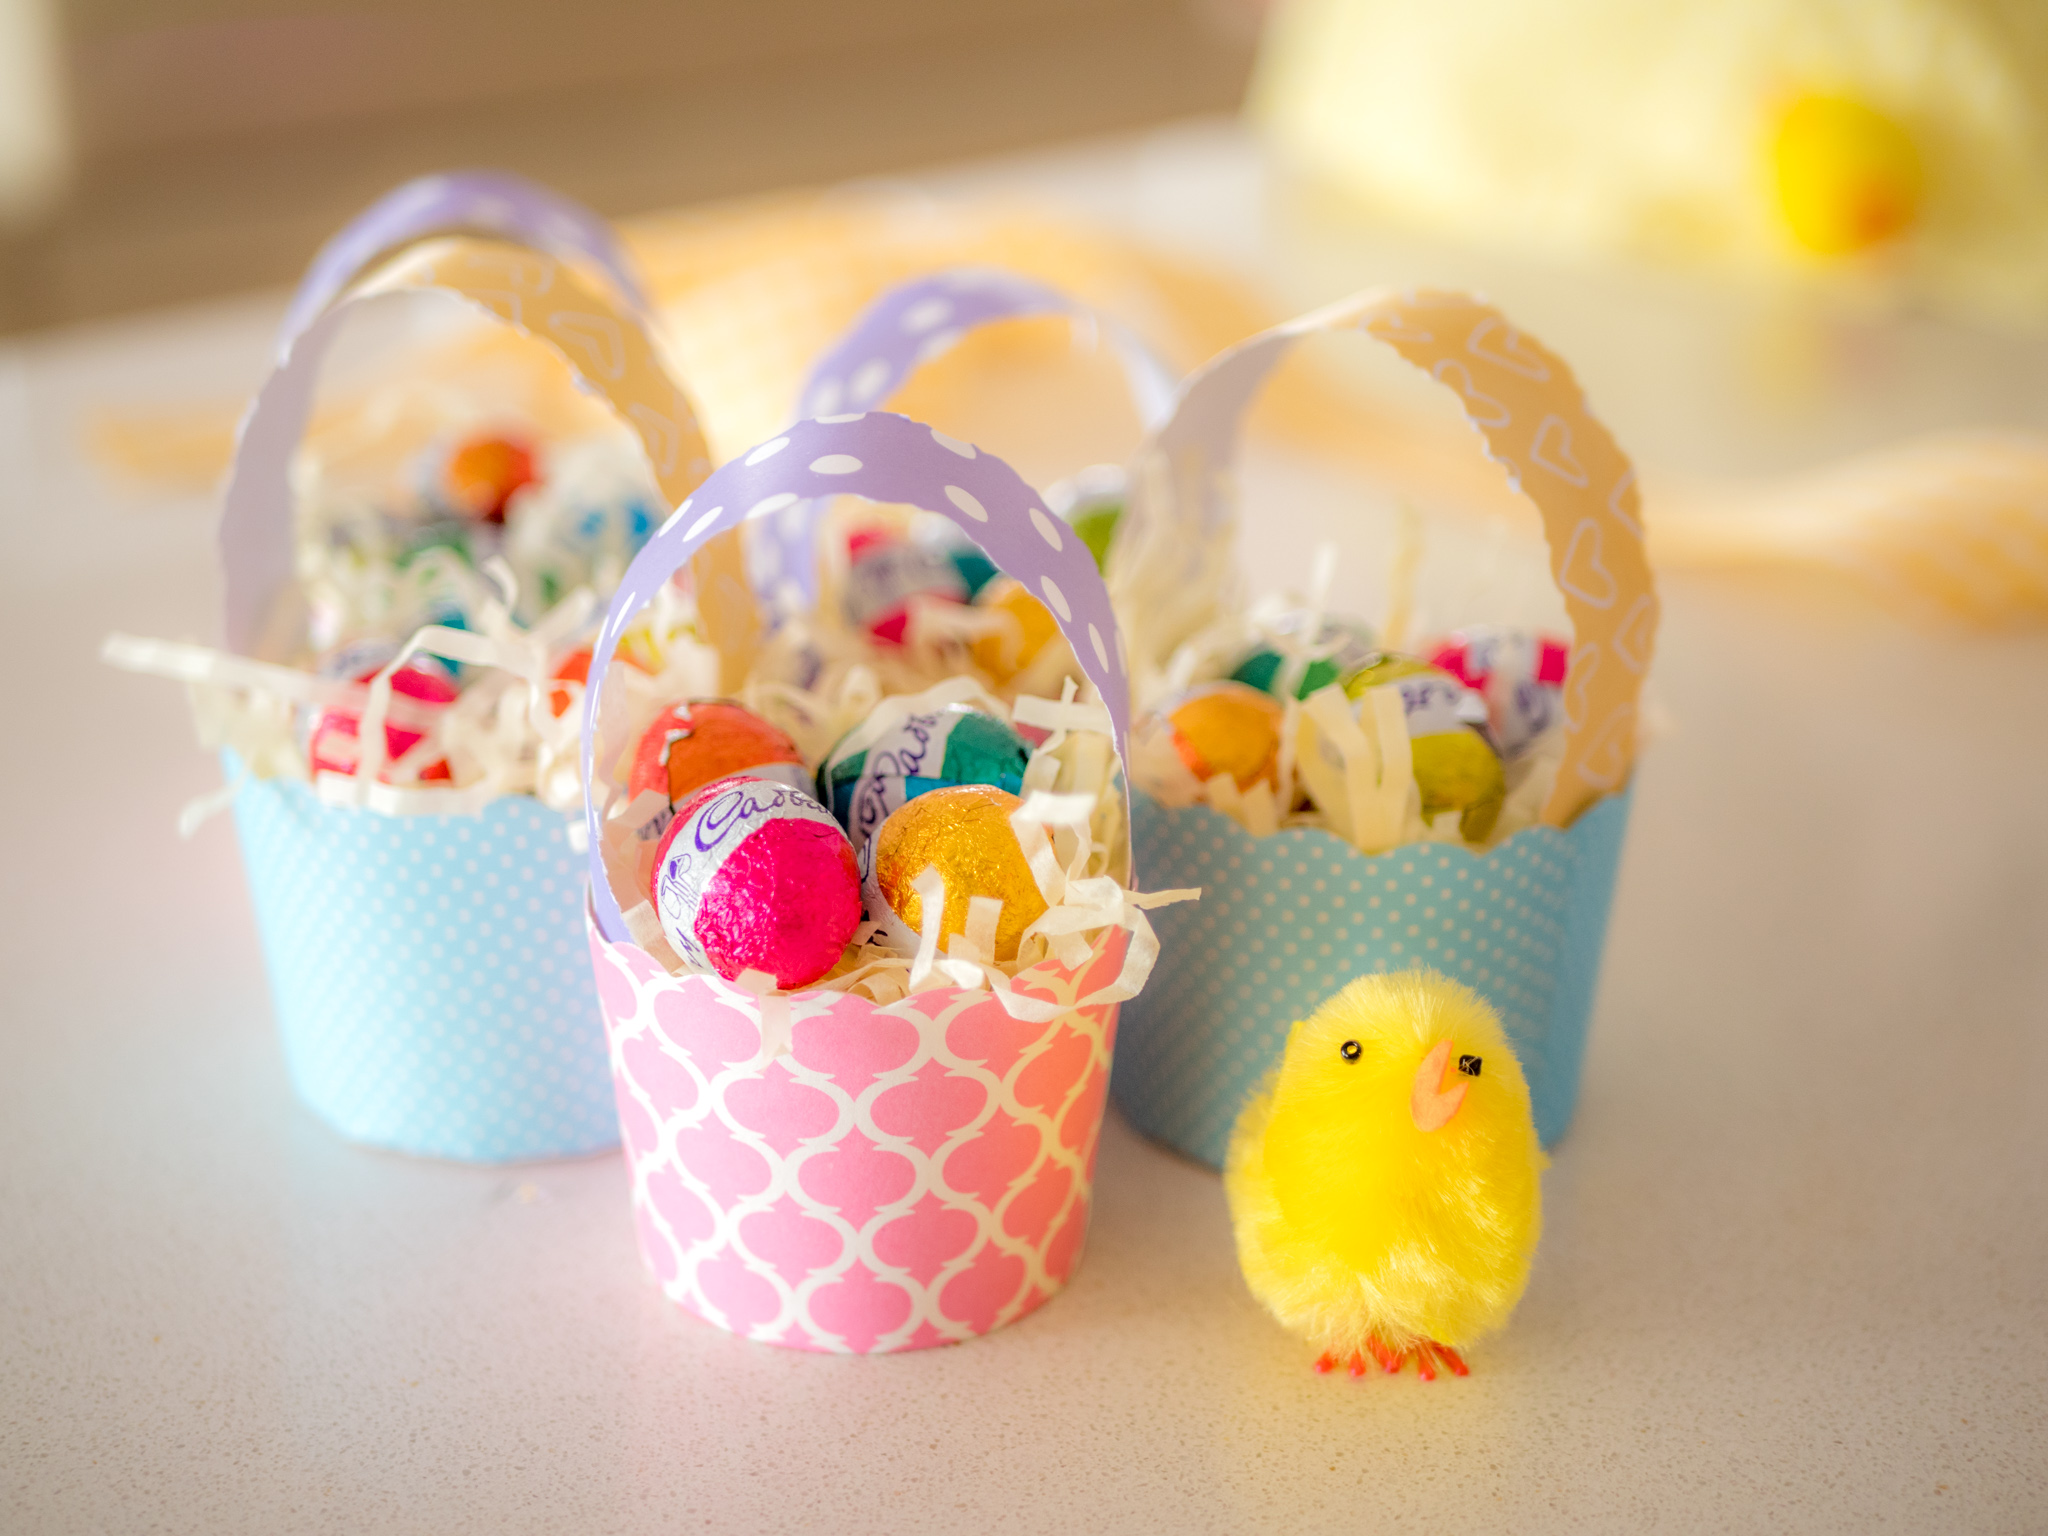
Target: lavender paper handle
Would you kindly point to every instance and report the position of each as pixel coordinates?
(886, 458)
(905, 328)
(917, 321)
(256, 524)
(487, 202)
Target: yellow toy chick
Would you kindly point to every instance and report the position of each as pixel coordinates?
(1384, 1181)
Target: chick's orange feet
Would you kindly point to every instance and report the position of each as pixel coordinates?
(1428, 1356)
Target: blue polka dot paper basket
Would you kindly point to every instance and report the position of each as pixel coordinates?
(1287, 919)
(427, 955)
(431, 977)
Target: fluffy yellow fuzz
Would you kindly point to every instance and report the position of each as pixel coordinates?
(1357, 1227)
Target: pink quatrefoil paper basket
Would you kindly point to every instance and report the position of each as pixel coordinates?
(907, 1175)
(867, 1177)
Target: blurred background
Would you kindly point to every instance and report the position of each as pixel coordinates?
(158, 150)
(1794, 248)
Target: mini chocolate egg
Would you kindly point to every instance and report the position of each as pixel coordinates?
(1092, 504)
(1456, 767)
(963, 831)
(1518, 672)
(483, 473)
(1096, 527)
(975, 568)
(756, 876)
(1228, 728)
(331, 743)
(1344, 647)
(870, 775)
(885, 572)
(1032, 628)
(690, 744)
(575, 668)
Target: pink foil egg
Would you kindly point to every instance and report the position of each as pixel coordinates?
(333, 746)
(754, 875)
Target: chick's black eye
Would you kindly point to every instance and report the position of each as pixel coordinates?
(1351, 1050)
(1469, 1065)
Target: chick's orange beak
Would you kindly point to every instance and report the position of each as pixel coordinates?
(1429, 1101)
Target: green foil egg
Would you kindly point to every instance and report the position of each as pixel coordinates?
(1456, 767)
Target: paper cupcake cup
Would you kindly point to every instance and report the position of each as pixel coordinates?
(428, 969)
(903, 1176)
(813, 1169)
(1287, 919)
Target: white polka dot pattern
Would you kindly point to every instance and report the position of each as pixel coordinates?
(900, 1177)
(1286, 920)
(429, 972)
(905, 328)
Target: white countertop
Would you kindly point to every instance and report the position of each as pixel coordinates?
(1795, 1274)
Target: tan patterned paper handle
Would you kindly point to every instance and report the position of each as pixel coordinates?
(1532, 419)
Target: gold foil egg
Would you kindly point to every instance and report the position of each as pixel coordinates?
(963, 832)
(1004, 654)
(1228, 728)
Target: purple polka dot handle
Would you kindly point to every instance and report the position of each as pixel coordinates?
(256, 532)
(905, 328)
(886, 458)
(473, 202)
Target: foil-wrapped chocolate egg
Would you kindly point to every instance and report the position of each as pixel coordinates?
(756, 876)
(884, 572)
(963, 831)
(1339, 649)
(1092, 504)
(690, 744)
(575, 667)
(975, 568)
(1518, 672)
(483, 473)
(424, 682)
(871, 774)
(1228, 728)
(1031, 628)
(1455, 764)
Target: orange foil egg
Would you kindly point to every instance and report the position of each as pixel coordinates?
(484, 472)
(1230, 728)
(692, 743)
(575, 668)
(1031, 627)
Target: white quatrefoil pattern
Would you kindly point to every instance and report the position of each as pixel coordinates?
(900, 1176)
